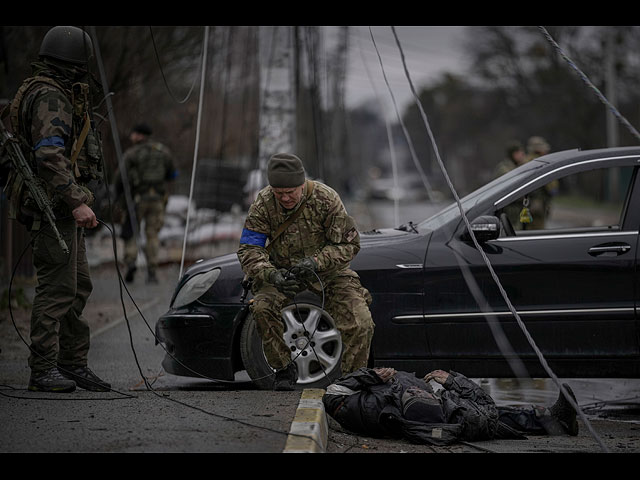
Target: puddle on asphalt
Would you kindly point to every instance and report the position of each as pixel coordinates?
(593, 395)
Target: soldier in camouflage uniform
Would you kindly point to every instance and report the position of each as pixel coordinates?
(531, 211)
(321, 241)
(516, 156)
(51, 116)
(149, 166)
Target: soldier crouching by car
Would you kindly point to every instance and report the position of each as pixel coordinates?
(312, 252)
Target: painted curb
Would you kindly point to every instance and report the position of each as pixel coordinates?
(309, 429)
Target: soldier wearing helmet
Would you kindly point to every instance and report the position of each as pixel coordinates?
(536, 147)
(52, 117)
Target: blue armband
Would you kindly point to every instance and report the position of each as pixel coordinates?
(50, 142)
(249, 237)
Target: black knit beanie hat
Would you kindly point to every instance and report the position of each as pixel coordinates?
(285, 171)
(142, 128)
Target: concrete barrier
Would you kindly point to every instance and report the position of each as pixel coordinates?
(309, 429)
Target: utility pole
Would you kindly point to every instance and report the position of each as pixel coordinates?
(277, 96)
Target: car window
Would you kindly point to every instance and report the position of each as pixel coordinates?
(584, 201)
(453, 211)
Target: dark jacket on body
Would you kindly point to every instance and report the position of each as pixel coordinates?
(362, 403)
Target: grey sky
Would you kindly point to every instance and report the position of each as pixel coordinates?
(429, 51)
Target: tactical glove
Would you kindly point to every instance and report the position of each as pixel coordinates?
(285, 283)
(305, 268)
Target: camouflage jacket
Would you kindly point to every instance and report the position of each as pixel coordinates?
(50, 113)
(323, 230)
(505, 166)
(149, 165)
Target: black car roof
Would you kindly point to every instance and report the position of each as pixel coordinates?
(576, 155)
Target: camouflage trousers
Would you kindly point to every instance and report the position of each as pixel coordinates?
(151, 210)
(346, 300)
(59, 332)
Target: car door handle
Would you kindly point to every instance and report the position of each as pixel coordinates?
(616, 248)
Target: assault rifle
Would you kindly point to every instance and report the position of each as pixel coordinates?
(20, 164)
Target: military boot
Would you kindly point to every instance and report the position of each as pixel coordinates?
(564, 413)
(151, 276)
(85, 378)
(286, 378)
(131, 271)
(50, 381)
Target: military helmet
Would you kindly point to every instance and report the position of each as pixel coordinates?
(70, 44)
(538, 145)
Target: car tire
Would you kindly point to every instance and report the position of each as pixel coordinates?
(325, 343)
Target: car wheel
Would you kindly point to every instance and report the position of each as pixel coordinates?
(314, 340)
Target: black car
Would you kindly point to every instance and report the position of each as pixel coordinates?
(573, 282)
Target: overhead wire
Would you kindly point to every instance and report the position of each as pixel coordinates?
(197, 143)
(414, 156)
(519, 321)
(164, 78)
(590, 84)
(392, 150)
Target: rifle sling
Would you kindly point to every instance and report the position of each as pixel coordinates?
(77, 147)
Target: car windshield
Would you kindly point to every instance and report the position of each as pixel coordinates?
(452, 211)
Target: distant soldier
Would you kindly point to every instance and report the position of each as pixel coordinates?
(51, 116)
(149, 166)
(321, 240)
(530, 212)
(536, 147)
(540, 199)
(515, 156)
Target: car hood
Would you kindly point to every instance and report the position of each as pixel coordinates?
(372, 238)
(230, 259)
(383, 236)
(228, 286)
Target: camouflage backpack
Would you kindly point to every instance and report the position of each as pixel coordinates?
(86, 154)
(149, 167)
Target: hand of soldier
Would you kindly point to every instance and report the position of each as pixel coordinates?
(284, 283)
(84, 216)
(439, 376)
(305, 268)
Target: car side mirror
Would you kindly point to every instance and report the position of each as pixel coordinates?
(485, 228)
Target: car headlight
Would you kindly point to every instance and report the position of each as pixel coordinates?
(195, 287)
